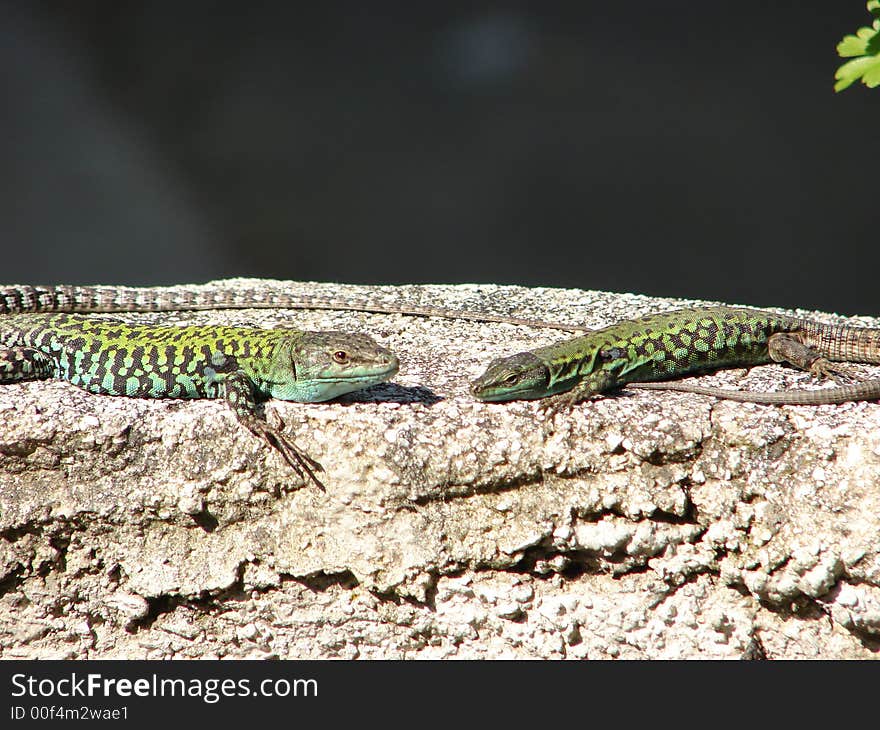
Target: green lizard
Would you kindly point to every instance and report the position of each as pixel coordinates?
(685, 341)
(43, 337)
(238, 364)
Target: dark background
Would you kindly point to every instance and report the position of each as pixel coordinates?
(676, 148)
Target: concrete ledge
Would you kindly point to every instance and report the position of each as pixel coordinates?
(644, 525)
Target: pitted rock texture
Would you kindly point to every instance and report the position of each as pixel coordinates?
(642, 525)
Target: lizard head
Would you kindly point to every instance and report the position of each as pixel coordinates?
(317, 366)
(520, 376)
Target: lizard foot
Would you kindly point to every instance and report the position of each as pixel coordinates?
(554, 404)
(303, 464)
(822, 368)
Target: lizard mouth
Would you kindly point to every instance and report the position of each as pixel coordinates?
(384, 372)
(518, 377)
(372, 376)
(376, 377)
(321, 387)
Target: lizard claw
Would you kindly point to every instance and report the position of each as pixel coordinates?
(303, 464)
(823, 368)
(557, 403)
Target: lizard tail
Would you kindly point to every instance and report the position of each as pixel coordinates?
(866, 390)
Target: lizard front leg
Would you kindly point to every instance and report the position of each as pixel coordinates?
(238, 391)
(785, 347)
(593, 384)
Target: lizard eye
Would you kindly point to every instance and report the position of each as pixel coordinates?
(511, 379)
(340, 356)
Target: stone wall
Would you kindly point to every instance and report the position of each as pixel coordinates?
(644, 525)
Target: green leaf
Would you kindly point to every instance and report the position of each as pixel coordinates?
(852, 46)
(871, 77)
(864, 49)
(867, 68)
(864, 42)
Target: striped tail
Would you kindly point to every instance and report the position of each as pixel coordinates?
(841, 342)
(26, 299)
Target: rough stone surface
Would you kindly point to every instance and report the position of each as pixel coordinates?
(646, 525)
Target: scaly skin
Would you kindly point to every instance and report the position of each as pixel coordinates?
(241, 365)
(69, 298)
(683, 342)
